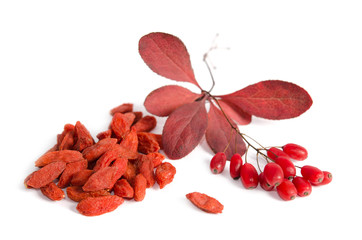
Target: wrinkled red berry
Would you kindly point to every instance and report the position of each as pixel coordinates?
(249, 176)
(263, 183)
(235, 163)
(274, 153)
(288, 167)
(327, 179)
(287, 190)
(303, 186)
(218, 162)
(273, 174)
(312, 174)
(295, 151)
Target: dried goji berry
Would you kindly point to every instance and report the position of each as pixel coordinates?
(102, 179)
(106, 159)
(165, 174)
(82, 136)
(147, 143)
(77, 194)
(95, 151)
(45, 175)
(130, 173)
(146, 124)
(121, 164)
(70, 170)
(138, 115)
(130, 141)
(94, 206)
(104, 134)
(156, 158)
(145, 167)
(140, 185)
(66, 156)
(124, 152)
(81, 177)
(52, 191)
(65, 140)
(121, 124)
(122, 188)
(205, 202)
(123, 108)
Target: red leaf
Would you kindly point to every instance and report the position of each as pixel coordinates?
(219, 133)
(164, 100)
(167, 56)
(235, 113)
(272, 99)
(184, 129)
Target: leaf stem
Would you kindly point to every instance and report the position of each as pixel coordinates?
(210, 72)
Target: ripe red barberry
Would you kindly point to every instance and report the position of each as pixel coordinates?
(218, 162)
(287, 190)
(249, 176)
(273, 174)
(327, 179)
(295, 151)
(288, 167)
(303, 186)
(263, 183)
(235, 163)
(274, 153)
(312, 174)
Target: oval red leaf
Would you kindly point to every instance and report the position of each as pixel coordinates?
(235, 113)
(167, 56)
(272, 99)
(164, 100)
(184, 129)
(219, 133)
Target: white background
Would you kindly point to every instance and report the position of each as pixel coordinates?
(63, 61)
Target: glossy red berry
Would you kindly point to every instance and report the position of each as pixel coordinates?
(303, 186)
(274, 153)
(235, 163)
(218, 162)
(249, 176)
(263, 183)
(295, 151)
(327, 179)
(287, 190)
(288, 167)
(273, 174)
(312, 174)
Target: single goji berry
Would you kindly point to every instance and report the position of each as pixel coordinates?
(77, 194)
(156, 158)
(218, 162)
(164, 174)
(102, 179)
(94, 206)
(303, 186)
(147, 143)
(66, 156)
(205, 202)
(121, 124)
(287, 190)
(52, 191)
(45, 175)
(81, 177)
(312, 174)
(130, 141)
(104, 134)
(122, 188)
(70, 170)
(95, 151)
(288, 167)
(123, 108)
(82, 136)
(146, 124)
(140, 186)
(235, 164)
(295, 151)
(65, 140)
(145, 167)
(121, 164)
(273, 174)
(249, 176)
(274, 153)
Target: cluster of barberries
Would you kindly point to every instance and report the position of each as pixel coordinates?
(279, 173)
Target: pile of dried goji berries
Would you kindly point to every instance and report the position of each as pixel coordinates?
(122, 164)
